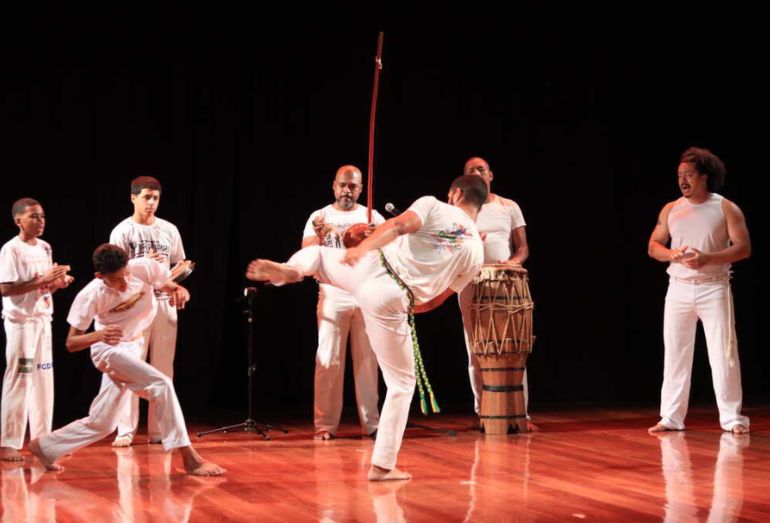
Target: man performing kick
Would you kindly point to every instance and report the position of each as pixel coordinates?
(411, 263)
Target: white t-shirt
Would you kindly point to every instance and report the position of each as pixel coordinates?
(702, 226)
(339, 221)
(132, 310)
(21, 262)
(138, 240)
(445, 253)
(498, 219)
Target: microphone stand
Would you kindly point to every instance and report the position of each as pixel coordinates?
(249, 425)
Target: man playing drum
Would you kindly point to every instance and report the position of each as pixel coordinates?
(411, 263)
(501, 224)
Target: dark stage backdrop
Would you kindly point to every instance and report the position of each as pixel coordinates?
(246, 118)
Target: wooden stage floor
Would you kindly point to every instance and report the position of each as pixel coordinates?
(583, 465)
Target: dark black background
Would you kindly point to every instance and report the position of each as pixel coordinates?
(245, 117)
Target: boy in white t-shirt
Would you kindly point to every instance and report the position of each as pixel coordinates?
(28, 278)
(143, 234)
(121, 300)
(411, 263)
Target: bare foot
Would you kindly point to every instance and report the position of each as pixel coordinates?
(123, 441)
(380, 474)
(276, 273)
(323, 435)
(34, 448)
(531, 427)
(372, 435)
(659, 427)
(10, 454)
(195, 465)
(740, 429)
(206, 468)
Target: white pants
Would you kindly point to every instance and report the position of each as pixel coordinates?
(385, 309)
(474, 370)
(339, 314)
(127, 373)
(686, 303)
(160, 341)
(28, 381)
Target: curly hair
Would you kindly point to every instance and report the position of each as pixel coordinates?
(109, 258)
(707, 163)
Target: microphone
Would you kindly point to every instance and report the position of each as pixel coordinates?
(392, 209)
(249, 294)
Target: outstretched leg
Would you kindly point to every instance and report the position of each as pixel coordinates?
(274, 272)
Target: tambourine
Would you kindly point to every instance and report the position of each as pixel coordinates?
(182, 270)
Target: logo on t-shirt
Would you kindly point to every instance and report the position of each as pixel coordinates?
(450, 239)
(334, 237)
(140, 248)
(128, 304)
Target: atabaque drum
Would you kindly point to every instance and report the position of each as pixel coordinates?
(501, 339)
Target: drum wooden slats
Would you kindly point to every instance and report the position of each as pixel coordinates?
(501, 339)
(502, 401)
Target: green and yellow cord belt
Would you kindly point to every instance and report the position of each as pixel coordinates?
(419, 366)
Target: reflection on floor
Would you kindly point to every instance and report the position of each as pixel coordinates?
(597, 464)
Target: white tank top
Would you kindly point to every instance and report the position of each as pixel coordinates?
(702, 226)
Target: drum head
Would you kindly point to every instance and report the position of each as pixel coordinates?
(500, 271)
